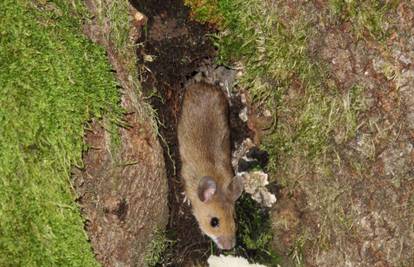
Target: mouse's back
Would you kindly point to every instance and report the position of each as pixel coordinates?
(204, 143)
(203, 130)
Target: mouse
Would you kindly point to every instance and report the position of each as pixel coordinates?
(203, 133)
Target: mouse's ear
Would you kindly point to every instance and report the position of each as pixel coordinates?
(206, 188)
(235, 188)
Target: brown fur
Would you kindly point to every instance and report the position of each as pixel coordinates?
(204, 143)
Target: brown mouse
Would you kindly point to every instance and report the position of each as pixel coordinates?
(204, 143)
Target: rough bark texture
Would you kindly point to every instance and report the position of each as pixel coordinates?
(122, 188)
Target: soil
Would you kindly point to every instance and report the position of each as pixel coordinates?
(174, 50)
(178, 46)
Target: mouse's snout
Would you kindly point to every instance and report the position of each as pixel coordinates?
(226, 242)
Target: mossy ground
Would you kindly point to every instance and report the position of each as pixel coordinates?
(53, 82)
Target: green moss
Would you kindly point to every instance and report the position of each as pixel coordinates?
(159, 245)
(53, 80)
(368, 18)
(115, 14)
(205, 10)
(254, 233)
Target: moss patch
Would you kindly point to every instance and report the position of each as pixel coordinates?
(368, 18)
(157, 250)
(254, 232)
(53, 80)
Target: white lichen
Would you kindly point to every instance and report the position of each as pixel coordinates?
(254, 181)
(255, 184)
(230, 261)
(243, 114)
(241, 151)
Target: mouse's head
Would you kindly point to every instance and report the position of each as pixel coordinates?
(215, 210)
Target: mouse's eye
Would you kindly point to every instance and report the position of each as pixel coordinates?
(214, 222)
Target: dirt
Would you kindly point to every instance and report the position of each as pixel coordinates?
(178, 49)
(122, 187)
(178, 46)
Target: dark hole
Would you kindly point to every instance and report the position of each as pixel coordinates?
(122, 210)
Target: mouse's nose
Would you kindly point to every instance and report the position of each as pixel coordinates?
(226, 242)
